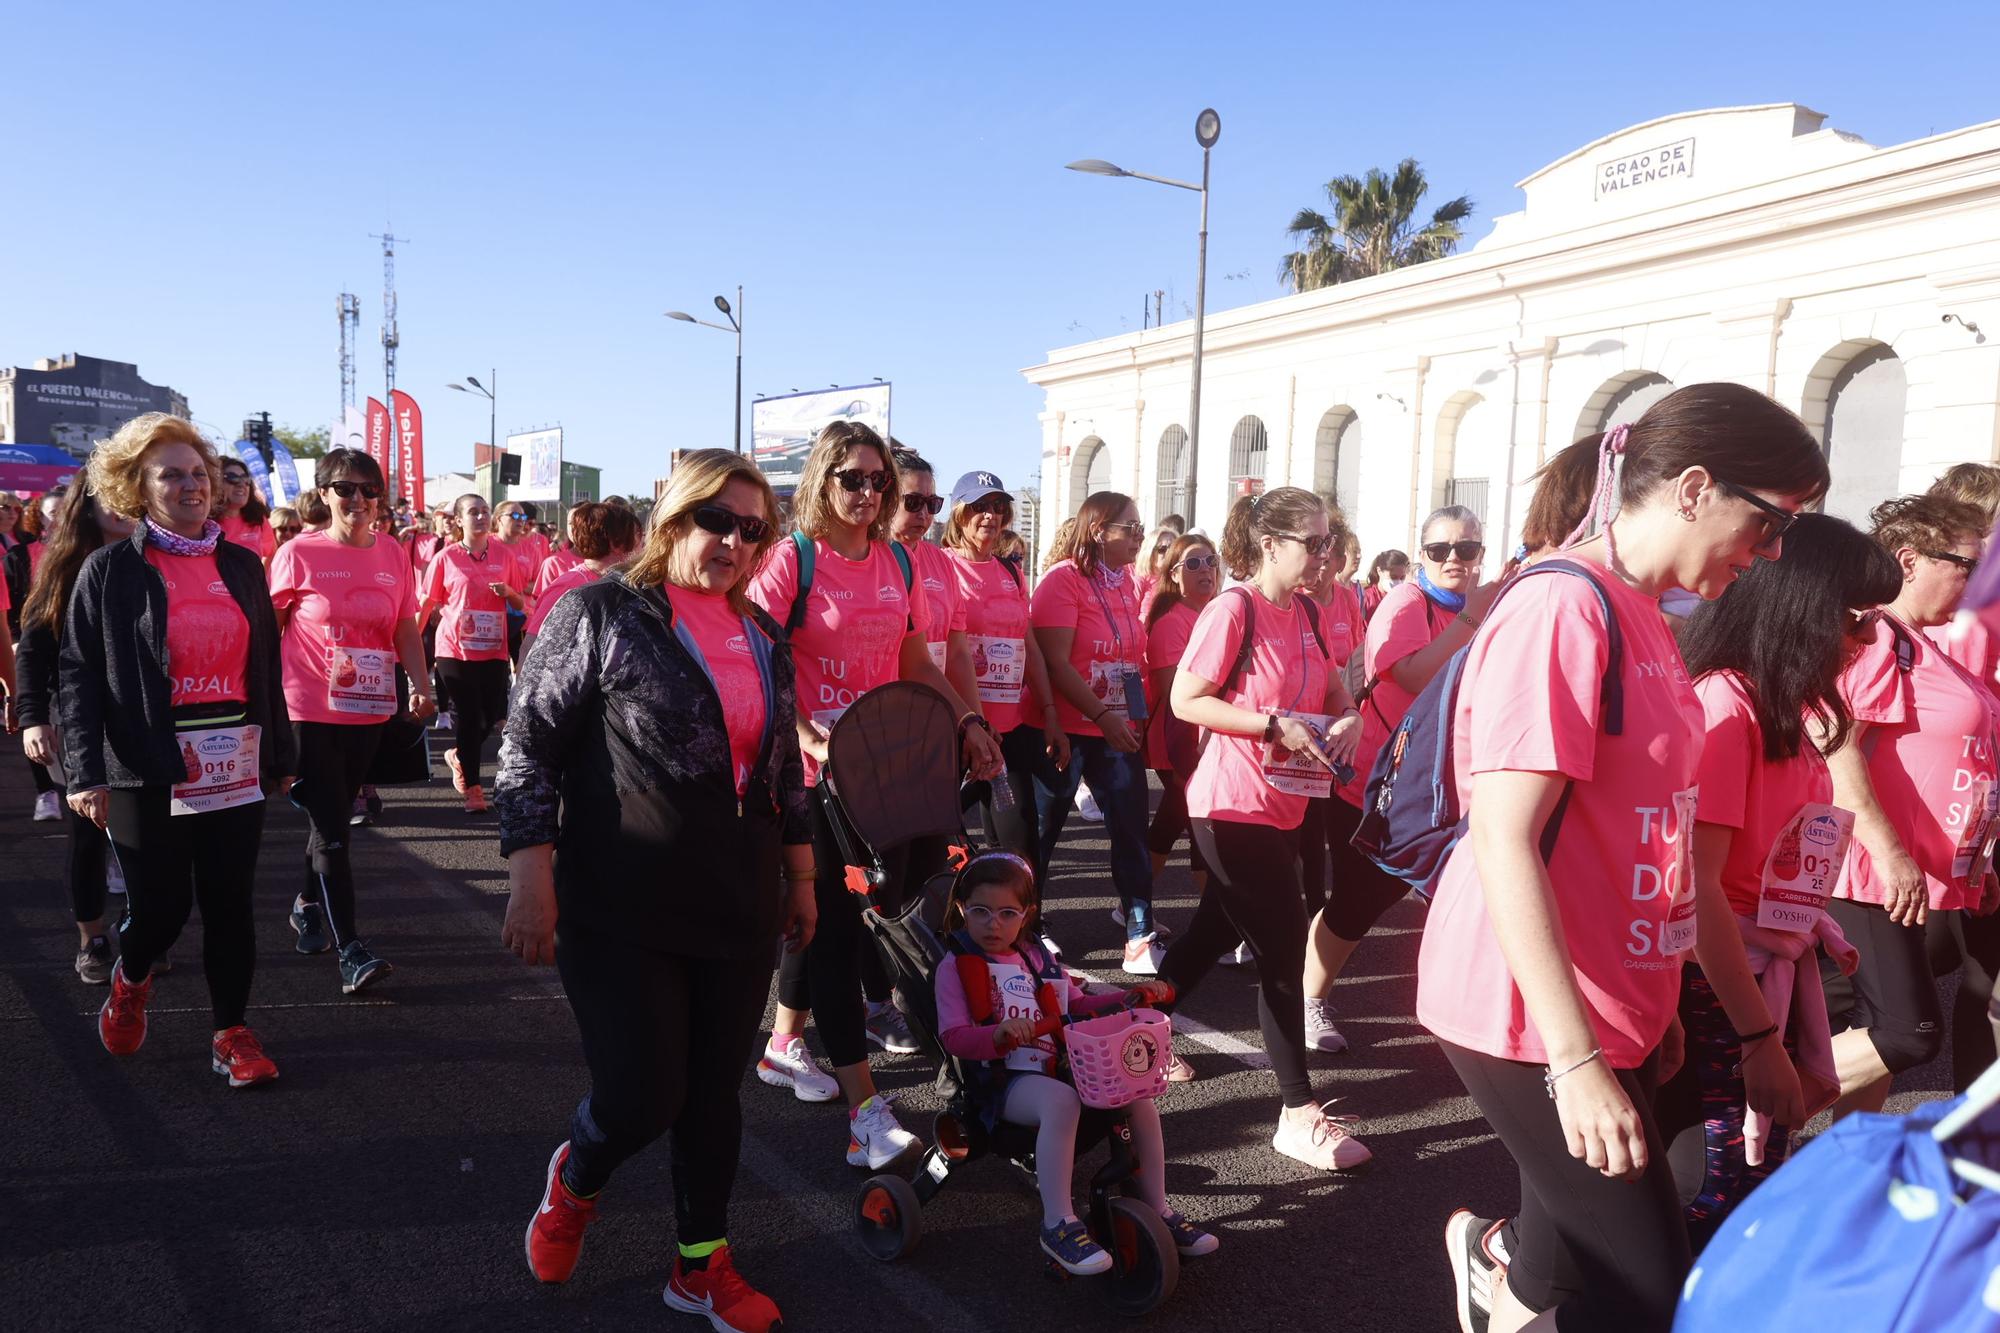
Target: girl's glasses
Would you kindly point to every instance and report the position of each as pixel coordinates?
(1006, 916)
(923, 504)
(721, 521)
(1315, 546)
(1197, 562)
(347, 490)
(1439, 552)
(852, 479)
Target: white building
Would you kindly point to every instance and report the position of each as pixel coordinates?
(1859, 286)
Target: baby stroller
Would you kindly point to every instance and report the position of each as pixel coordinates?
(893, 761)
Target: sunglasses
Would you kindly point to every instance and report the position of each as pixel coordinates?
(1968, 563)
(852, 479)
(923, 504)
(516, 514)
(1861, 624)
(235, 479)
(1315, 546)
(293, 528)
(1006, 916)
(1136, 529)
(1439, 552)
(1777, 521)
(347, 490)
(1198, 562)
(722, 522)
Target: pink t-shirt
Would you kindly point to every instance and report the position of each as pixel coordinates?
(1110, 637)
(1342, 625)
(259, 539)
(1742, 790)
(1286, 670)
(723, 637)
(934, 569)
(1405, 622)
(992, 610)
(528, 551)
(1929, 745)
(579, 575)
(1529, 703)
(554, 567)
(1146, 587)
(1974, 644)
(472, 627)
(1166, 640)
(339, 649)
(208, 636)
(857, 616)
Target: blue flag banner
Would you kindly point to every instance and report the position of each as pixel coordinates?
(260, 475)
(287, 473)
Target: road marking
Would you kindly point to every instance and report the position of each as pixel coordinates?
(1202, 1035)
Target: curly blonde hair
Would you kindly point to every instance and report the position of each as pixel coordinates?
(812, 510)
(697, 479)
(117, 465)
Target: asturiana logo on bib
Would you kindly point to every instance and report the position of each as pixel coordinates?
(217, 746)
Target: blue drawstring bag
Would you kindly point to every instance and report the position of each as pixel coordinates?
(1865, 1230)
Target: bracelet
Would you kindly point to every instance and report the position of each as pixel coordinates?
(805, 876)
(1758, 1035)
(1466, 616)
(1550, 1076)
(1093, 718)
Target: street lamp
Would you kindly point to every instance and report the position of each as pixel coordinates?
(1207, 129)
(735, 326)
(492, 428)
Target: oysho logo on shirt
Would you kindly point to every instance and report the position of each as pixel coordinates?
(333, 574)
(839, 594)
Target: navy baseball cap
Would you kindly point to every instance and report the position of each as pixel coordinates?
(976, 486)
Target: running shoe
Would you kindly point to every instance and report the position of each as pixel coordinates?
(457, 769)
(1320, 1140)
(93, 962)
(1179, 1070)
(555, 1232)
(475, 800)
(162, 965)
(1160, 928)
(443, 721)
(888, 1029)
(48, 806)
(1086, 804)
(237, 1054)
(373, 802)
(360, 816)
(1321, 1034)
(1189, 1239)
(788, 1064)
(1143, 955)
(1068, 1242)
(121, 1023)
(875, 1138)
(1474, 1269)
(1241, 956)
(360, 968)
(719, 1292)
(309, 924)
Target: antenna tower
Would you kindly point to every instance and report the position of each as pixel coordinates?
(350, 329)
(390, 338)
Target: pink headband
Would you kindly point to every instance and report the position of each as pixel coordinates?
(1599, 513)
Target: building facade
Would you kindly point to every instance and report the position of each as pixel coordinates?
(1859, 286)
(74, 401)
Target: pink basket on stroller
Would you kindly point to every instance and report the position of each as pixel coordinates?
(1120, 1057)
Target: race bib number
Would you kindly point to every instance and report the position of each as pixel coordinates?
(999, 665)
(1678, 935)
(1296, 772)
(1107, 682)
(362, 681)
(482, 631)
(1974, 856)
(1014, 997)
(1803, 867)
(222, 770)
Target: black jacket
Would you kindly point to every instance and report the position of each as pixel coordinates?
(616, 752)
(35, 678)
(14, 567)
(114, 698)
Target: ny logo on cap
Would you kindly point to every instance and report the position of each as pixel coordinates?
(988, 479)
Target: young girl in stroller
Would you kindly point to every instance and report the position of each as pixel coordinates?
(996, 987)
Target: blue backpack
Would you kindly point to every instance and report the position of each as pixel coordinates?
(1410, 818)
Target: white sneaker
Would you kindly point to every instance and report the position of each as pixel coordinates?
(1319, 1140)
(443, 721)
(1321, 1034)
(1143, 955)
(1159, 928)
(874, 1136)
(1086, 805)
(788, 1064)
(48, 806)
(1241, 956)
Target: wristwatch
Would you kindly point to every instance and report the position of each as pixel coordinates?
(1271, 729)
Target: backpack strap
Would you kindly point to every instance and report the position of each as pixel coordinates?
(1012, 564)
(902, 555)
(1611, 687)
(976, 977)
(808, 553)
(1244, 647)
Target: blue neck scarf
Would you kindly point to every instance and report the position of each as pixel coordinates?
(1444, 597)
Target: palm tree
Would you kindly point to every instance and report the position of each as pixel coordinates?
(1372, 229)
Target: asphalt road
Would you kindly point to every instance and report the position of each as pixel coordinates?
(386, 1179)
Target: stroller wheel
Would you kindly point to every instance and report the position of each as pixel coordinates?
(890, 1220)
(1145, 1264)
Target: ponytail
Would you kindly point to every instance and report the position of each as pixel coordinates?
(1283, 512)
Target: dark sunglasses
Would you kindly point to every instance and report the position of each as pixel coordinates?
(1315, 546)
(852, 479)
(1136, 529)
(1198, 562)
(1861, 624)
(1439, 552)
(236, 479)
(923, 504)
(347, 490)
(1968, 563)
(1772, 514)
(722, 522)
(992, 504)
(294, 528)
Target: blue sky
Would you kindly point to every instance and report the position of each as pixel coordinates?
(192, 186)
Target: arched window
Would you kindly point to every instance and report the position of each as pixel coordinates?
(1864, 432)
(1469, 442)
(1249, 450)
(1337, 457)
(1089, 471)
(1620, 401)
(1171, 493)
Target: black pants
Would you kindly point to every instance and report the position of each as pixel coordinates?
(1893, 993)
(172, 862)
(1612, 1252)
(478, 706)
(43, 782)
(88, 850)
(1316, 838)
(667, 1039)
(439, 691)
(1361, 890)
(333, 759)
(1253, 897)
(1170, 821)
(1970, 944)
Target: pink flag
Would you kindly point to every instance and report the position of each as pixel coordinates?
(410, 442)
(378, 434)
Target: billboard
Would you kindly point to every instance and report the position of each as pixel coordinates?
(75, 401)
(31, 469)
(541, 464)
(782, 429)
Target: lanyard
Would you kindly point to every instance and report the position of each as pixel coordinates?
(1117, 639)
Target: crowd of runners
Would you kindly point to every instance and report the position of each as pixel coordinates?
(1725, 765)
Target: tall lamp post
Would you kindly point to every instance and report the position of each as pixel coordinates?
(1207, 129)
(492, 426)
(735, 326)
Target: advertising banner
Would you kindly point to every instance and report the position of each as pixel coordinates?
(782, 429)
(378, 434)
(260, 472)
(410, 447)
(541, 464)
(30, 469)
(284, 474)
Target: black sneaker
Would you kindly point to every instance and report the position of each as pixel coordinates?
(361, 816)
(360, 968)
(374, 806)
(309, 924)
(1473, 1268)
(93, 962)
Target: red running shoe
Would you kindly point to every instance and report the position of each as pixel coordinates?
(475, 800)
(236, 1053)
(555, 1232)
(121, 1023)
(718, 1291)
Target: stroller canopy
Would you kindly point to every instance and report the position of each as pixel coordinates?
(894, 760)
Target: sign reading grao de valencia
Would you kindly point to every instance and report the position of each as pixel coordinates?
(1673, 161)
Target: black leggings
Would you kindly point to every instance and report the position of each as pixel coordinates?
(1170, 821)
(667, 1039)
(1893, 994)
(1973, 1028)
(1612, 1252)
(171, 863)
(1362, 890)
(333, 759)
(478, 706)
(1253, 897)
(89, 851)
(43, 782)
